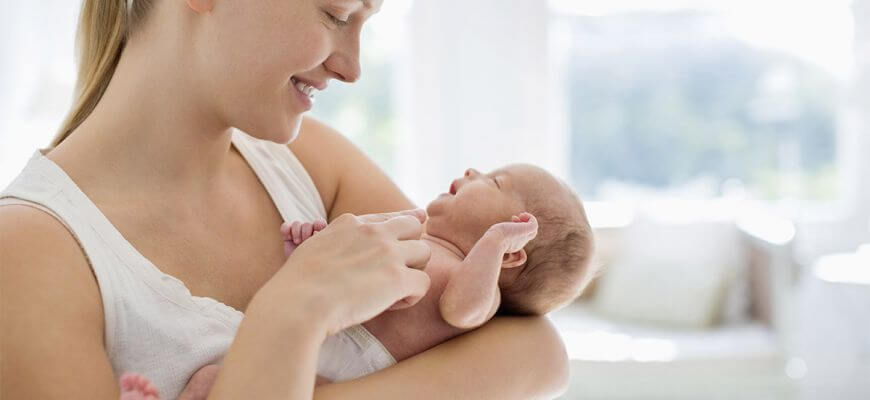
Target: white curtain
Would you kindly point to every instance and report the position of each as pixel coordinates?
(475, 91)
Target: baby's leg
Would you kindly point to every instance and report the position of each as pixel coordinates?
(296, 232)
(137, 387)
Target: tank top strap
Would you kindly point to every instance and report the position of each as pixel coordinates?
(283, 176)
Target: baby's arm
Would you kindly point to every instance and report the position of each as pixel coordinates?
(296, 232)
(472, 295)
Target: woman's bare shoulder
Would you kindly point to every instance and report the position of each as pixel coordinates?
(347, 179)
(51, 310)
(40, 254)
(313, 148)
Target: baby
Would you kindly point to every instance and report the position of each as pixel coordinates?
(515, 241)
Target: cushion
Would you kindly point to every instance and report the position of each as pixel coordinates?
(676, 273)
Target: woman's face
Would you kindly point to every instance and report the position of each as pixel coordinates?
(254, 54)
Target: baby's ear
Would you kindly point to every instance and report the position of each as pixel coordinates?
(515, 259)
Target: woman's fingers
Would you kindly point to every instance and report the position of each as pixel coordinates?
(418, 213)
(416, 283)
(416, 254)
(374, 261)
(403, 227)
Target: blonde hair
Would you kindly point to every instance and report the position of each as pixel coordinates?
(104, 27)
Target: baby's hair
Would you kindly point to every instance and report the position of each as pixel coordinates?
(558, 265)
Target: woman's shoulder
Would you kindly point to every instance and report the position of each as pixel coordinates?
(323, 152)
(40, 254)
(52, 312)
(347, 179)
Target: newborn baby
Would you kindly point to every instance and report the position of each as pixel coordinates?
(514, 241)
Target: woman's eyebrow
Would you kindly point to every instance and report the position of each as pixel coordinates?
(367, 5)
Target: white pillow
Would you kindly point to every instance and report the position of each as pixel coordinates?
(671, 273)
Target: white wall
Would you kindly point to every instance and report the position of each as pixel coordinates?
(476, 83)
(37, 75)
(861, 100)
(847, 225)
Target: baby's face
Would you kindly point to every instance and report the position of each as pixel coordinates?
(477, 201)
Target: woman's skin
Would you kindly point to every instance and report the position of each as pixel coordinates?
(173, 189)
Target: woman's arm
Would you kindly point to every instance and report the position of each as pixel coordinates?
(251, 369)
(507, 358)
(510, 357)
(51, 314)
(347, 180)
(52, 326)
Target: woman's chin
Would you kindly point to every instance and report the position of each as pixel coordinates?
(294, 127)
(284, 133)
(288, 131)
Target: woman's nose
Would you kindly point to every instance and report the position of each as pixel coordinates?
(344, 62)
(471, 172)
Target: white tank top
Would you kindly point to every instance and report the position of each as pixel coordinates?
(153, 325)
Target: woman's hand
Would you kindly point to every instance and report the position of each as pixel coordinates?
(354, 269)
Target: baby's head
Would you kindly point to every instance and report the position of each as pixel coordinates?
(554, 267)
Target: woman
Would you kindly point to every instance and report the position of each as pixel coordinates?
(148, 186)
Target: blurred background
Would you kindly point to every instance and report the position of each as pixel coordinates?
(721, 148)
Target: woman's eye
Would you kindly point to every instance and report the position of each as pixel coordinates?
(496, 183)
(335, 20)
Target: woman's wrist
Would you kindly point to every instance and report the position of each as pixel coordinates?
(291, 310)
(274, 354)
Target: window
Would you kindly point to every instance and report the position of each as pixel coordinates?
(703, 99)
(365, 111)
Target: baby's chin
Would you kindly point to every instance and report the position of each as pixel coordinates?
(460, 233)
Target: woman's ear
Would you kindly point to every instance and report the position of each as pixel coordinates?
(201, 6)
(515, 259)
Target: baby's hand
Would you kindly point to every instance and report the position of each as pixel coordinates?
(296, 232)
(517, 233)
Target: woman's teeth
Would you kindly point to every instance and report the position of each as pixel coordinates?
(306, 89)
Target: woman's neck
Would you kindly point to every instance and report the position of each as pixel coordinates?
(152, 128)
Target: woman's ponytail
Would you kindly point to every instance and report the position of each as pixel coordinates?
(104, 26)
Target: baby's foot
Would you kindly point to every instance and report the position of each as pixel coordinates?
(296, 232)
(517, 233)
(137, 387)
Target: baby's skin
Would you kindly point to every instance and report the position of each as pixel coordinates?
(464, 289)
(476, 232)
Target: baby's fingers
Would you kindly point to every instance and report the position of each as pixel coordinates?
(296, 231)
(289, 246)
(307, 229)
